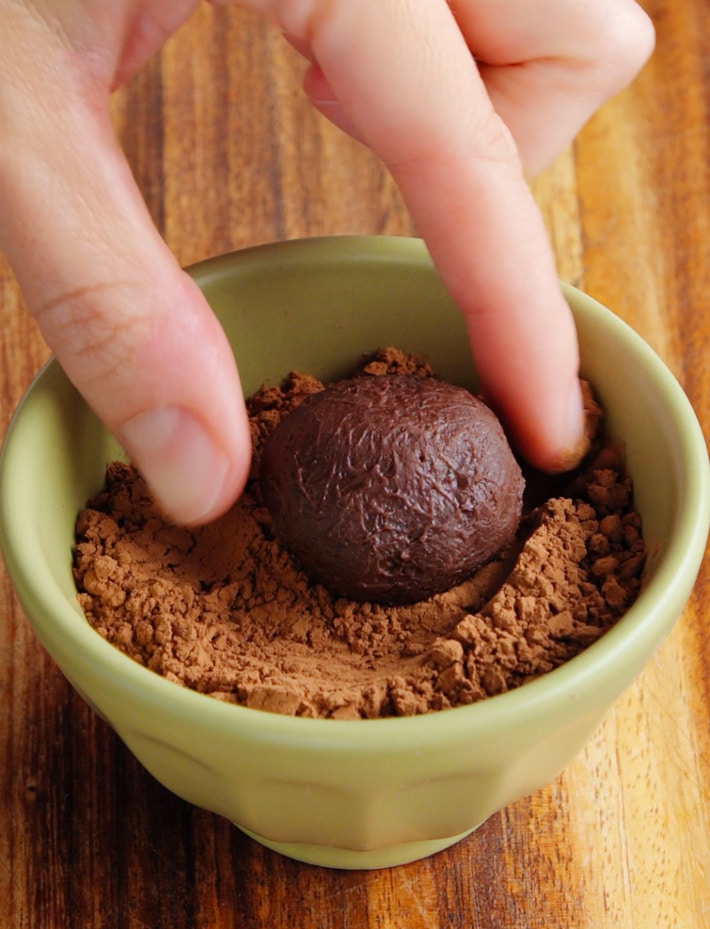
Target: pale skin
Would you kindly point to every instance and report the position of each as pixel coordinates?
(462, 101)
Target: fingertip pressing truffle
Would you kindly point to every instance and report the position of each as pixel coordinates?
(391, 488)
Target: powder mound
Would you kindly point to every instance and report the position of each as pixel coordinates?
(391, 488)
(226, 611)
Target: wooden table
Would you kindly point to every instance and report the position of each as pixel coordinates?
(229, 154)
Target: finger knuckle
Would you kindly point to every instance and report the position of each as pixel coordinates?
(624, 38)
(93, 343)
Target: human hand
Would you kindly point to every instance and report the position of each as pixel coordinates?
(457, 98)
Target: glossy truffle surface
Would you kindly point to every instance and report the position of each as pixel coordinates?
(391, 488)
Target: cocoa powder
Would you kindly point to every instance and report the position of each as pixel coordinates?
(224, 610)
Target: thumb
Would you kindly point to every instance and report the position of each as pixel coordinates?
(129, 327)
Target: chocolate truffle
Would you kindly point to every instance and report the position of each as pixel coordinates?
(391, 488)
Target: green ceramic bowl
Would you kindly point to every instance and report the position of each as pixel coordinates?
(378, 792)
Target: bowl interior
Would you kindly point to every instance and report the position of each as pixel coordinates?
(316, 305)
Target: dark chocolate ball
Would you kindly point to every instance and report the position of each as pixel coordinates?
(391, 488)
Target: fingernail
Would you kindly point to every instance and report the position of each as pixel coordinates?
(183, 467)
(578, 439)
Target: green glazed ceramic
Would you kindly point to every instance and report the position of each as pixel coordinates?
(373, 793)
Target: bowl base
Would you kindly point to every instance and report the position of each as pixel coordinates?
(327, 856)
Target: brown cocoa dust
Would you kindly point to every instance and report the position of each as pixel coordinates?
(224, 610)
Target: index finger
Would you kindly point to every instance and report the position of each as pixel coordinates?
(405, 78)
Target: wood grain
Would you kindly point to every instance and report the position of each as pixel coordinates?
(228, 154)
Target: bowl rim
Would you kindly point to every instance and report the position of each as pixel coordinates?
(645, 621)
